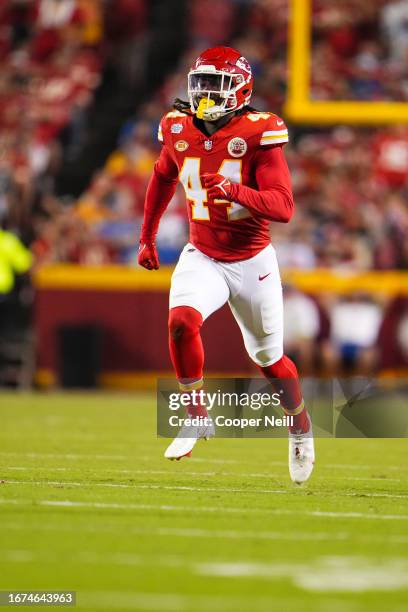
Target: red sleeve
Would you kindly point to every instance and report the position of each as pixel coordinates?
(273, 199)
(160, 190)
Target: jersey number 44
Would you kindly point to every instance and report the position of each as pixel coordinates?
(197, 195)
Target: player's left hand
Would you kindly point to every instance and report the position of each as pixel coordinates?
(218, 187)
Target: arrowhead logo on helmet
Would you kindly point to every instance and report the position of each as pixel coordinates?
(219, 82)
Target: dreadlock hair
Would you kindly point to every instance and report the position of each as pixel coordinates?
(182, 106)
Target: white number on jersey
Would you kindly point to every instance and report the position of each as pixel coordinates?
(190, 179)
(258, 116)
(195, 193)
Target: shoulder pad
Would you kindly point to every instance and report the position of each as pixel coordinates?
(174, 114)
(268, 128)
(275, 131)
(167, 122)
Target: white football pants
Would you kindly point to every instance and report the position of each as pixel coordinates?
(252, 289)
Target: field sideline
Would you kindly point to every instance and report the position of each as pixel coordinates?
(88, 503)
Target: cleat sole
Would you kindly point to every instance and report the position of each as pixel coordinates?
(181, 457)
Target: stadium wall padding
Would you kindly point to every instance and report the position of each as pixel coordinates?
(131, 307)
(134, 335)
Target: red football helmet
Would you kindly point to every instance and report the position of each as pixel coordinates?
(219, 82)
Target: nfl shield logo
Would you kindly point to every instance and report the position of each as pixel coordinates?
(208, 145)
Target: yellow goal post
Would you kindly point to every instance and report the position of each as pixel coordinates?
(300, 108)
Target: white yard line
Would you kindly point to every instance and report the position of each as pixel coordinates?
(189, 473)
(330, 466)
(203, 509)
(81, 457)
(134, 506)
(210, 460)
(117, 506)
(116, 485)
(381, 495)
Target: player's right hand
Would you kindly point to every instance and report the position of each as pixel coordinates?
(148, 257)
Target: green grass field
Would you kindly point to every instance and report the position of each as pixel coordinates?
(87, 503)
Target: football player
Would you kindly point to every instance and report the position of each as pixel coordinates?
(230, 161)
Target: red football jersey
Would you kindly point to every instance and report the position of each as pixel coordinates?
(245, 151)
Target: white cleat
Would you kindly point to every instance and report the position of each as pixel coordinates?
(301, 457)
(187, 438)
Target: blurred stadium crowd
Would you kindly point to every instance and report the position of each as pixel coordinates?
(52, 54)
(350, 183)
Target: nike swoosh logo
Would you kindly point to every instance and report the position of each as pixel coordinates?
(279, 123)
(261, 278)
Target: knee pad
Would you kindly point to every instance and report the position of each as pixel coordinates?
(267, 356)
(184, 321)
(264, 351)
